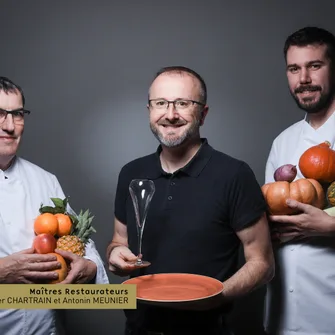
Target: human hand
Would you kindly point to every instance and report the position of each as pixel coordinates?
(122, 261)
(311, 221)
(27, 267)
(82, 270)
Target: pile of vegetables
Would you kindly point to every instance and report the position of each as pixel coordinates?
(317, 188)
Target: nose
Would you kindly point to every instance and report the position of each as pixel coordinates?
(171, 113)
(304, 77)
(8, 124)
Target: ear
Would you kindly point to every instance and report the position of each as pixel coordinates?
(203, 114)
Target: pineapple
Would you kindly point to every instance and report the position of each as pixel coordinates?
(76, 241)
(81, 226)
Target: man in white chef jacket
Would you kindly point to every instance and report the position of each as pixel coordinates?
(301, 297)
(23, 187)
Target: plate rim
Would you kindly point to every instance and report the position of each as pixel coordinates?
(177, 273)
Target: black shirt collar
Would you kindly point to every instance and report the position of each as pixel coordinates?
(193, 168)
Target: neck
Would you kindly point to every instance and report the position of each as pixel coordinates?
(316, 120)
(5, 162)
(173, 159)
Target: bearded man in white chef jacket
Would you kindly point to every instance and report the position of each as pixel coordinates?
(23, 187)
(301, 297)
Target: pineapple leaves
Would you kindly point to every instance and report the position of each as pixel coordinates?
(74, 223)
(81, 224)
(84, 228)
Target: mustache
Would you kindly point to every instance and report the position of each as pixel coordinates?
(177, 123)
(307, 88)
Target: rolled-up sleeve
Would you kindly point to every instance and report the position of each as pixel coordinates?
(92, 254)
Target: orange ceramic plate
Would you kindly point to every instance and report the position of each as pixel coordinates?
(175, 287)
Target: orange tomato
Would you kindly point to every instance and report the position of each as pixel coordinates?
(62, 272)
(64, 224)
(46, 223)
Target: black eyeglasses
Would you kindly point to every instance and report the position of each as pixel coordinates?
(179, 104)
(17, 114)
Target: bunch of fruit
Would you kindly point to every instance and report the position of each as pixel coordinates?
(317, 188)
(56, 228)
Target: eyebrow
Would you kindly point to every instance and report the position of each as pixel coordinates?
(316, 61)
(12, 111)
(168, 99)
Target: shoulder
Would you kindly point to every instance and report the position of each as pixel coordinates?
(139, 164)
(229, 167)
(227, 161)
(289, 132)
(34, 169)
(143, 167)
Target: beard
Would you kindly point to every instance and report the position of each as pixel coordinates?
(310, 104)
(172, 141)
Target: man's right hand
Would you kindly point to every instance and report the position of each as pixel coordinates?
(122, 261)
(27, 267)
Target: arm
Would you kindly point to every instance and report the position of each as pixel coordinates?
(120, 237)
(119, 256)
(259, 267)
(85, 270)
(311, 222)
(92, 254)
(248, 219)
(26, 267)
(257, 271)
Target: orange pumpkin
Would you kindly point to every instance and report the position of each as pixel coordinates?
(318, 162)
(307, 191)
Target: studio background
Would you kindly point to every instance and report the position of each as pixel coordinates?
(86, 66)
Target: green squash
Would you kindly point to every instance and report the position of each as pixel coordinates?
(331, 194)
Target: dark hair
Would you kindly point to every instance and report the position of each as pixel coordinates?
(181, 70)
(312, 35)
(7, 86)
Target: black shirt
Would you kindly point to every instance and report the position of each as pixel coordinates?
(193, 217)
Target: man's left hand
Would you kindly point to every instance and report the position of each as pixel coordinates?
(311, 221)
(82, 270)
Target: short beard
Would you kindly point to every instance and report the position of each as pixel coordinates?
(175, 142)
(314, 107)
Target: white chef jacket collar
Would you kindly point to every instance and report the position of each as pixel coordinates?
(10, 171)
(326, 131)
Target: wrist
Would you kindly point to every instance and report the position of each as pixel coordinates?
(111, 247)
(4, 273)
(331, 225)
(93, 269)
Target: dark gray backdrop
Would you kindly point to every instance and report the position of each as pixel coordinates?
(85, 67)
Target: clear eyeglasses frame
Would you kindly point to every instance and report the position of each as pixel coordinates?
(17, 114)
(178, 104)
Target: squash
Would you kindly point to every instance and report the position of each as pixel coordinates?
(307, 191)
(331, 194)
(318, 162)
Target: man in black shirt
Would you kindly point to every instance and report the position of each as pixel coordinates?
(205, 205)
